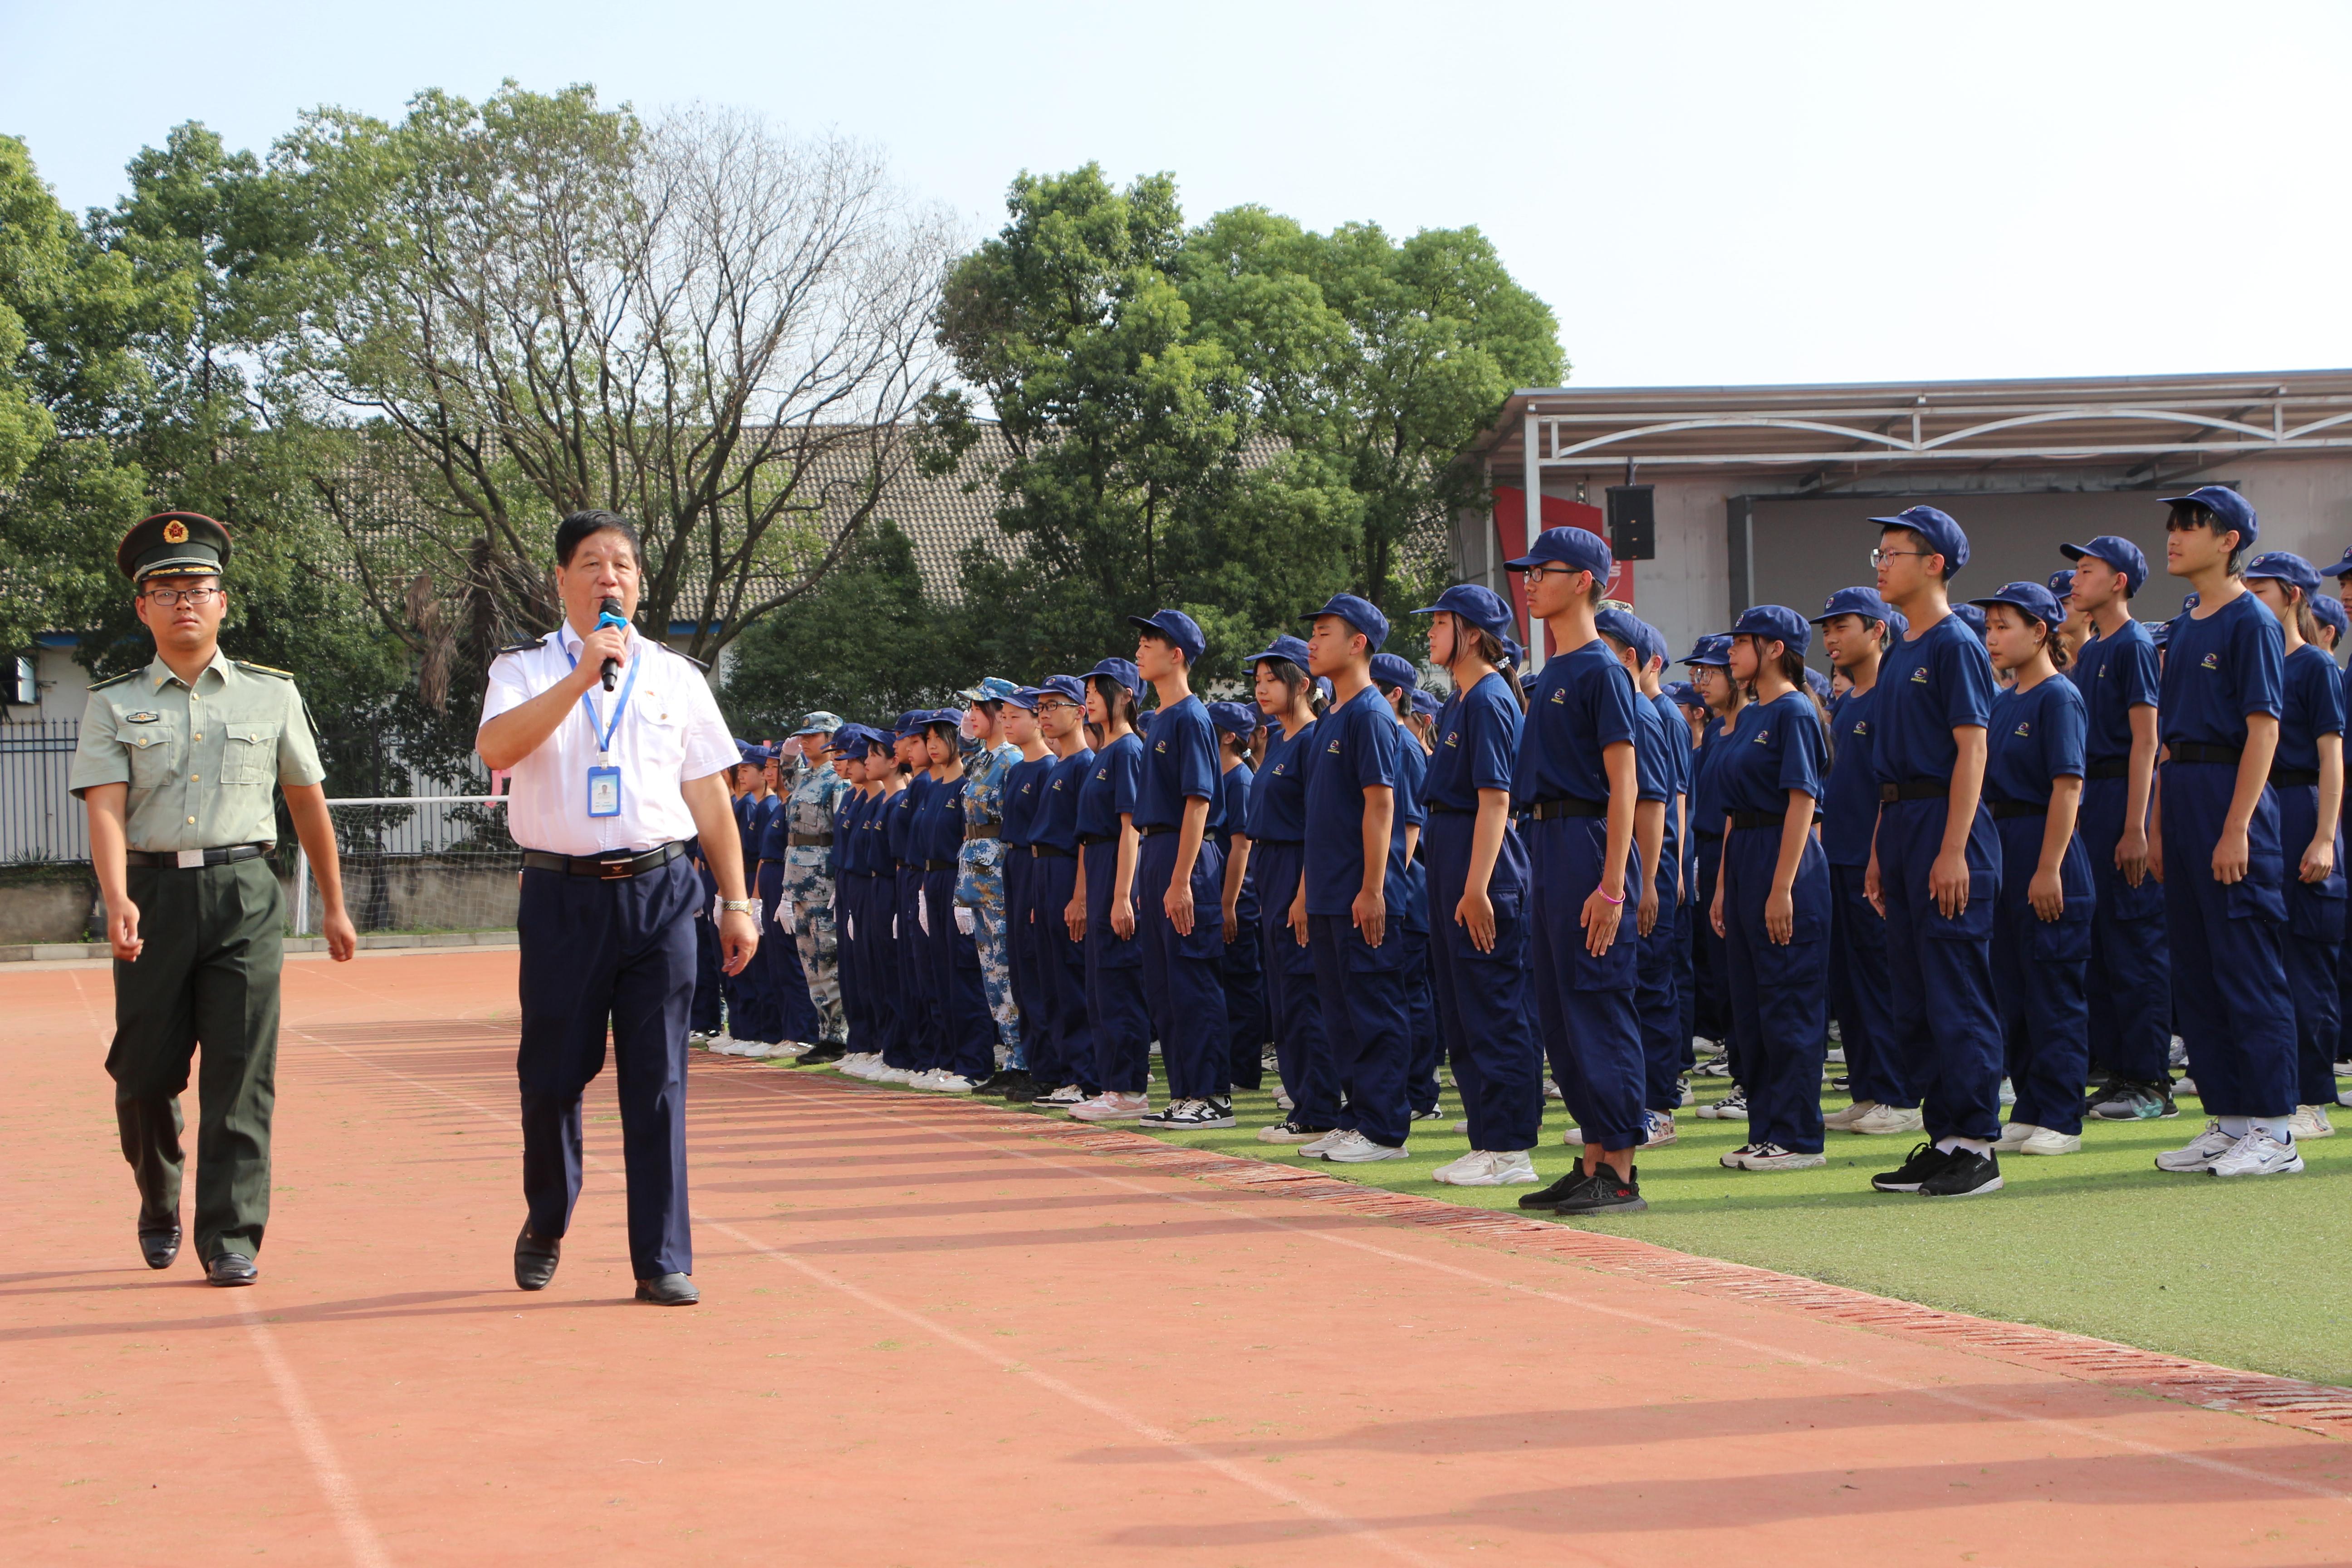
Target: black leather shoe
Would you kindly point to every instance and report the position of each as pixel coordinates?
(535, 1258)
(669, 1290)
(231, 1268)
(161, 1248)
(824, 1051)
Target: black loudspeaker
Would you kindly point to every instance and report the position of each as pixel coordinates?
(1632, 522)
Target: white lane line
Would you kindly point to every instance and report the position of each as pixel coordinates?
(359, 1536)
(1355, 1530)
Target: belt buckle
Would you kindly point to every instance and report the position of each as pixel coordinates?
(617, 869)
(188, 860)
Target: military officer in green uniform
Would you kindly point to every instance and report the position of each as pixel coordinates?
(177, 766)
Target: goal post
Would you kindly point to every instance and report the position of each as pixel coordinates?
(417, 865)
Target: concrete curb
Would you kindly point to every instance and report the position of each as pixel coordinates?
(95, 952)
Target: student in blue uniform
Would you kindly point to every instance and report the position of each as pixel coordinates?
(907, 1055)
(1772, 903)
(794, 1025)
(1856, 624)
(2220, 850)
(1478, 893)
(1935, 866)
(2042, 930)
(1578, 780)
(2116, 671)
(853, 858)
(1117, 1012)
(1354, 887)
(1180, 880)
(1673, 890)
(1658, 778)
(1249, 1029)
(1063, 1062)
(2307, 777)
(1694, 717)
(963, 1048)
(848, 748)
(2334, 628)
(1724, 697)
(1399, 682)
(1023, 795)
(1290, 699)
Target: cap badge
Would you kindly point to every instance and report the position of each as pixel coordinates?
(175, 532)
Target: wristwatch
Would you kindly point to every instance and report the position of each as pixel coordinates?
(740, 907)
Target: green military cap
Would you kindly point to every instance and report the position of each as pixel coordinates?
(817, 723)
(172, 542)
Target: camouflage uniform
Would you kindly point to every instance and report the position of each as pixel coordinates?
(809, 811)
(979, 884)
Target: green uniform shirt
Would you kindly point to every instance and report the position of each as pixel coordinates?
(201, 761)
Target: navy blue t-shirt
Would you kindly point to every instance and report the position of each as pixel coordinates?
(1277, 804)
(1180, 765)
(2115, 674)
(1929, 686)
(1707, 807)
(1024, 792)
(768, 829)
(902, 822)
(1111, 787)
(938, 832)
(1778, 747)
(1412, 808)
(2313, 707)
(2220, 669)
(1477, 746)
(1582, 702)
(1232, 811)
(1850, 796)
(1349, 750)
(1057, 821)
(847, 845)
(1678, 758)
(2034, 737)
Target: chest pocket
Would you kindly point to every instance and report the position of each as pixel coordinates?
(154, 753)
(655, 732)
(250, 753)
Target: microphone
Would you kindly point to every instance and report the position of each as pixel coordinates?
(610, 616)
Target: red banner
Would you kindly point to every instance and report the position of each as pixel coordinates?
(1511, 533)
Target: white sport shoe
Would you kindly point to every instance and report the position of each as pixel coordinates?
(2259, 1154)
(2049, 1141)
(1732, 1107)
(1772, 1157)
(2311, 1122)
(1551, 1089)
(1281, 1100)
(1473, 1169)
(1064, 1098)
(946, 1082)
(1110, 1106)
(1881, 1119)
(2015, 1134)
(1323, 1145)
(1357, 1150)
(897, 1075)
(1572, 1136)
(2200, 1152)
(1658, 1129)
(2007, 1095)
(1842, 1119)
(1463, 1126)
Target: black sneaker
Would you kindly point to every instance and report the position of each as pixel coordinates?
(1840, 1083)
(821, 1053)
(1605, 1192)
(1013, 1083)
(1925, 1160)
(1965, 1174)
(1551, 1196)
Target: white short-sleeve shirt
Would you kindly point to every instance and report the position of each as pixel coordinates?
(670, 732)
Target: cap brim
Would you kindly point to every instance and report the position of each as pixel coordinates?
(184, 565)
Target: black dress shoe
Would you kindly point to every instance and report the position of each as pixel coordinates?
(824, 1051)
(535, 1258)
(669, 1290)
(231, 1268)
(161, 1248)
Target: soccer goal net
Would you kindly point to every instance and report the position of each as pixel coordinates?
(419, 864)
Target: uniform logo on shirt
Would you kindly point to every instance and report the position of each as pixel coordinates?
(2211, 661)
(1449, 738)
(1919, 675)
(2023, 730)
(1559, 694)
(1160, 747)
(1862, 726)
(142, 718)
(1333, 748)
(1764, 737)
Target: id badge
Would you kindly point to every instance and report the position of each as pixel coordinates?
(604, 791)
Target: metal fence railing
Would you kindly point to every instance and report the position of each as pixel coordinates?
(39, 820)
(418, 863)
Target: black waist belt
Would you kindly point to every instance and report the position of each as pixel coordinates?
(2119, 768)
(2191, 752)
(1156, 832)
(982, 830)
(1567, 805)
(1452, 811)
(1747, 819)
(1703, 832)
(171, 858)
(809, 840)
(1917, 789)
(1048, 852)
(2010, 810)
(1088, 838)
(940, 864)
(617, 867)
(2291, 778)
(1279, 843)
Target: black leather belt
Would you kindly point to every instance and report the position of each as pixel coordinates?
(2194, 752)
(617, 867)
(1917, 789)
(2116, 768)
(170, 858)
(1747, 819)
(1048, 852)
(982, 830)
(809, 840)
(1437, 810)
(1090, 839)
(1703, 832)
(1567, 805)
(2293, 778)
(1156, 831)
(2010, 810)
(940, 864)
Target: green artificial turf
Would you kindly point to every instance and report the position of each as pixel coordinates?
(2252, 1272)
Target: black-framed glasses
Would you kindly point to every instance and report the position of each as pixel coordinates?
(1058, 708)
(1881, 557)
(195, 598)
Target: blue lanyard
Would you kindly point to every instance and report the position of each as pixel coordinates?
(605, 735)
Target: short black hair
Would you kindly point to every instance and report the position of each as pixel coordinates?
(581, 525)
(2189, 514)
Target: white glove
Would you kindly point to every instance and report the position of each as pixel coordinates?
(894, 925)
(715, 911)
(850, 923)
(964, 919)
(784, 915)
(923, 909)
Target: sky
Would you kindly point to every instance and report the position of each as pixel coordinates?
(1706, 195)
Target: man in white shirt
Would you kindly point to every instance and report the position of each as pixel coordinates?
(607, 785)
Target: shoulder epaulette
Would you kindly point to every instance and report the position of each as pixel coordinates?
(690, 659)
(262, 669)
(517, 647)
(112, 680)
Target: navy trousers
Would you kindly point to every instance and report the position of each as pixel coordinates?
(1367, 1016)
(1302, 1046)
(1428, 1046)
(2131, 1027)
(706, 1017)
(1021, 952)
(1946, 1028)
(1116, 1009)
(1182, 980)
(2038, 969)
(1248, 1023)
(1585, 1004)
(1658, 1002)
(1482, 997)
(1779, 992)
(919, 1011)
(2314, 951)
(618, 955)
(885, 979)
(966, 1041)
(791, 1012)
(1062, 1049)
(2229, 970)
(1858, 993)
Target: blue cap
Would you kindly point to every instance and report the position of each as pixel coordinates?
(1619, 625)
(1942, 534)
(1482, 607)
(1177, 627)
(1711, 649)
(1515, 653)
(1070, 687)
(1778, 622)
(2118, 552)
(2030, 597)
(1653, 644)
(1818, 681)
(1862, 602)
(2229, 509)
(2062, 585)
(1026, 697)
(1974, 619)
(1285, 646)
(1143, 721)
(1425, 702)
(1121, 670)
(1360, 613)
(2329, 611)
(1395, 669)
(953, 718)
(1685, 694)
(991, 689)
(1323, 686)
(2189, 601)
(2287, 567)
(2341, 569)
(2158, 632)
(1235, 717)
(1578, 548)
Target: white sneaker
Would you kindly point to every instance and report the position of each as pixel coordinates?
(1110, 1106)
(2200, 1154)
(1572, 1136)
(1290, 1132)
(725, 1045)
(1551, 1089)
(2311, 1122)
(919, 1079)
(1732, 1107)
(2049, 1141)
(1772, 1157)
(1323, 1145)
(1357, 1150)
(2183, 1085)
(897, 1075)
(1281, 1100)
(1463, 1126)
(699, 1038)
(1881, 1119)
(1475, 1169)
(1658, 1129)
(1515, 1168)
(2259, 1154)
(1842, 1119)
(2015, 1134)
(946, 1082)
(1064, 1098)
(2007, 1095)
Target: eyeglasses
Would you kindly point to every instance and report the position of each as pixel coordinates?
(195, 598)
(1538, 574)
(1058, 708)
(1881, 557)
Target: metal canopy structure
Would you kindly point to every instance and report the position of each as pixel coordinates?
(2131, 429)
